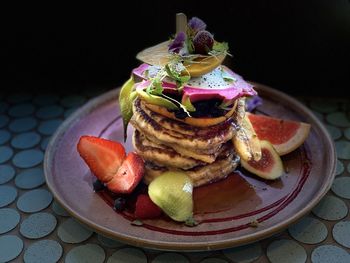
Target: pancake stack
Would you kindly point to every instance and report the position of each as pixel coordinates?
(205, 154)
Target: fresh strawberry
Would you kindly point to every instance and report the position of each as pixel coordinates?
(145, 208)
(129, 174)
(104, 157)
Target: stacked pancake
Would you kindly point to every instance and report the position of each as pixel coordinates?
(205, 154)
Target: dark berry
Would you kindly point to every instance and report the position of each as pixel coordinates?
(180, 114)
(98, 186)
(119, 204)
(203, 42)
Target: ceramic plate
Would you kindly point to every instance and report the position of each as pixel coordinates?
(236, 211)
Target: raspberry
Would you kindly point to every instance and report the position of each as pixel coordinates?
(145, 208)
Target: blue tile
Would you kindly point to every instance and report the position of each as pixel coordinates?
(28, 158)
(25, 140)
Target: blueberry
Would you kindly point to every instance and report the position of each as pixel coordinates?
(180, 114)
(119, 204)
(98, 186)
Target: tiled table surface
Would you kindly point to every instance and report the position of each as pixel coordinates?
(34, 228)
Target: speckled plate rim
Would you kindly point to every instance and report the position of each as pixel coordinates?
(199, 246)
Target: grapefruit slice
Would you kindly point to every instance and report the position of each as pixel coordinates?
(269, 166)
(284, 135)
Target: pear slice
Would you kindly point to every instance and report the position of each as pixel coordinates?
(172, 192)
(270, 165)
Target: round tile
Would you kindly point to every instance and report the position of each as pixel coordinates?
(129, 255)
(286, 251)
(49, 112)
(347, 133)
(19, 97)
(28, 158)
(338, 119)
(38, 225)
(3, 120)
(343, 149)
(34, 200)
(331, 208)
(244, 254)
(44, 143)
(25, 140)
(30, 178)
(49, 127)
(4, 136)
(214, 260)
(334, 132)
(8, 194)
(6, 173)
(170, 258)
(72, 101)
(108, 242)
(70, 231)
(324, 106)
(45, 99)
(43, 251)
(3, 106)
(340, 168)
(23, 124)
(341, 233)
(89, 253)
(6, 153)
(58, 209)
(21, 110)
(309, 231)
(329, 254)
(68, 112)
(341, 187)
(10, 247)
(9, 219)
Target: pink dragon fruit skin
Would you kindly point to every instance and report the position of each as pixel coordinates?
(208, 86)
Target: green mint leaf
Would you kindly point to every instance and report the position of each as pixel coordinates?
(220, 47)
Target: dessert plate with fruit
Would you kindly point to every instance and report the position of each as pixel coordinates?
(187, 155)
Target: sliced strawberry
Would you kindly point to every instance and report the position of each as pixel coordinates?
(129, 174)
(104, 157)
(145, 208)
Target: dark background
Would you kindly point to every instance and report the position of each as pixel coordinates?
(300, 47)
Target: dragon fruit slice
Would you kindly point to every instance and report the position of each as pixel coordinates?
(221, 83)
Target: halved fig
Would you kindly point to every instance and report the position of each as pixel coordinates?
(269, 166)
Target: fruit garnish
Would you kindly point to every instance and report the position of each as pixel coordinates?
(145, 208)
(172, 192)
(269, 166)
(106, 160)
(119, 204)
(128, 175)
(192, 45)
(104, 157)
(198, 122)
(220, 83)
(126, 97)
(246, 142)
(284, 135)
(203, 42)
(154, 99)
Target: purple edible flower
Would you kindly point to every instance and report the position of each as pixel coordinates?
(253, 102)
(178, 42)
(196, 24)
